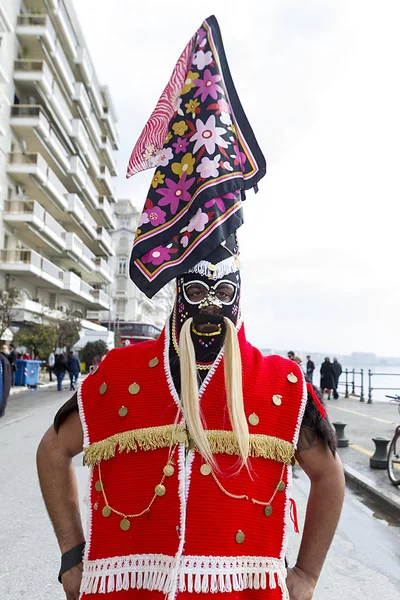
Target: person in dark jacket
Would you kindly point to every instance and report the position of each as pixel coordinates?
(5, 383)
(310, 368)
(327, 377)
(60, 367)
(12, 357)
(74, 368)
(337, 371)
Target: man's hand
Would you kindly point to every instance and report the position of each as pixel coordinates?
(300, 585)
(71, 581)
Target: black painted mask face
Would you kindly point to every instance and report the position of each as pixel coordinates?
(207, 301)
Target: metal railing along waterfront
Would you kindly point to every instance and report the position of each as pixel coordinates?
(354, 383)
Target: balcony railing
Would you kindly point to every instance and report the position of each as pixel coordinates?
(109, 154)
(91, 192)
(37, 26)
(95, 128)
(103, 299)
(107, 180)
(30, 261)
(109, 121)
(74, 244)
(80, 95)
(67, 31)
(104, 268)
(64, 69)
(104, 238)
(34, 70)
(106, 208)
(77, 169)
(20, 212)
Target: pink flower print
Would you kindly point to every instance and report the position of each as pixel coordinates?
(185, 240)
(198, 222)
(224, 106)
(165, 156)
(202, 59)
(240, 157)
(156, 216)
(208, 86)
(157, 256)
(201, 37)
(208, 135)
(144, 219)
(219, 201)
(175, 192)
(181, 145)
(209, 168)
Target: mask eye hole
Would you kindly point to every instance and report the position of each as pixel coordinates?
(226, 291)
(196, 292)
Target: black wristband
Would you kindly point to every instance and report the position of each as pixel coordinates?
(70, 559)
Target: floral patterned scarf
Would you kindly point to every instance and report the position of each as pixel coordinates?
(206, 156)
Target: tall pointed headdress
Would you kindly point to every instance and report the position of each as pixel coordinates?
(205, 154)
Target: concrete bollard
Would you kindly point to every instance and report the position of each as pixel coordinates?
(380, 459)
(342, 441)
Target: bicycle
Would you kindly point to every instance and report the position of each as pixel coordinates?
(393, 467)
(396, 398)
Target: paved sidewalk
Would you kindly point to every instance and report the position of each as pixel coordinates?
(365, 421)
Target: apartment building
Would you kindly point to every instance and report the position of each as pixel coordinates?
(57, 162)
(131, 305)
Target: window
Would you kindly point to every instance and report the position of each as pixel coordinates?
(122, 262)
(125, 221)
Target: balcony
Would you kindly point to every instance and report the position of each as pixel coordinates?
(109, 155)
(29, 311)
(34, 225)
(109, 122)
(77, 252)
(80, 95)
(31, 71)
(85, 66)
(105, 242)
(75, 286)
(106, 212)
(83, 222)
(32, 172)
(78, 171)
(107, 181)
(63, 68)
(31, 123)
(104, 270)
(32, 266)
(80, 135)
(34, 30)
(95, 129)
(67, 31)
(103, 299)
(91, 193)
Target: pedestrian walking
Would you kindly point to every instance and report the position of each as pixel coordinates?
(161, 517)
(51, 359)
(337, 371)
(291, 355)
(310, 368)
(60, 368)
(12, 357)
(74, 369)
(327, 377)
(6, 377)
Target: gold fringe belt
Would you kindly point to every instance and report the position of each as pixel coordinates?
(152, 438)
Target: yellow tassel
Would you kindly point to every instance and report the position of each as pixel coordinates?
(221, 442)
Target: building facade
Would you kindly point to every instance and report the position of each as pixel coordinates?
(131, 305)
(57, 162)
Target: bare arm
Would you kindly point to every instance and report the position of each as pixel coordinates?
(323, 510)
(58, 482)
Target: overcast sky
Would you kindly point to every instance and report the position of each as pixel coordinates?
(319, 83)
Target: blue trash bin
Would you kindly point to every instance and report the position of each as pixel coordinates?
(27, 372)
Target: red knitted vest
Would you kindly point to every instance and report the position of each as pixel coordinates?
(156, 532)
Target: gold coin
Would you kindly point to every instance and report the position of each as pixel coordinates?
(254, 419)
(168, 470)
(268, 510)
(181, 437)
(134, 388)
(205, 469)
(154, 362)
(212, 267)
(123, 411)
(292, 378)
(240, 537)
(124, 524)
(103, 388)
(96, 505)
(160, 490)
(281, 486)
(106, 512)
(277, 399)
(98, 486)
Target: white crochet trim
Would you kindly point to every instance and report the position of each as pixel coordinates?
(195, 574)
(225, 267)
(86, 440)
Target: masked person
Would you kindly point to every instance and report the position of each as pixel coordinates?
(191, 447)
